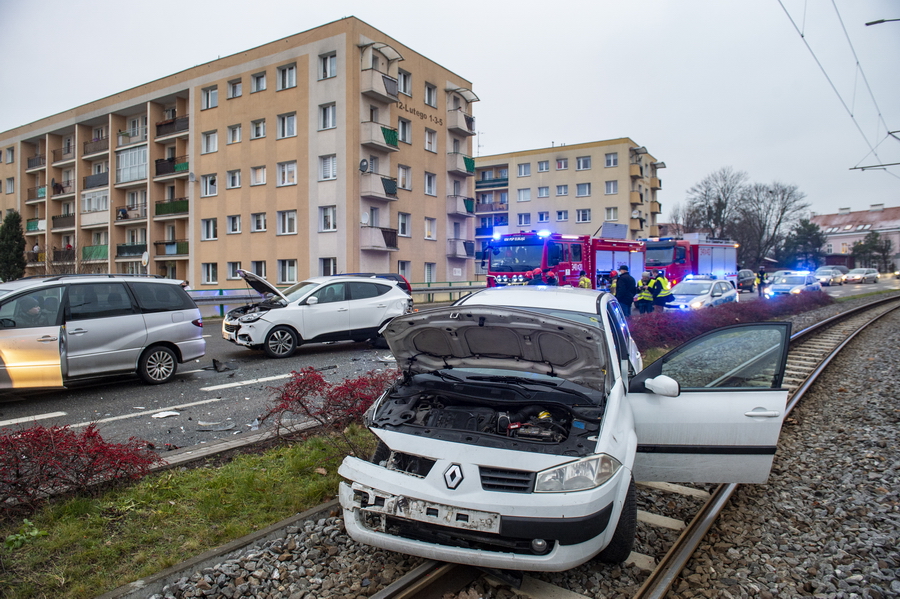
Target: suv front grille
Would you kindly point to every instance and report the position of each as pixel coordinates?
(506, 481)
(232, 328)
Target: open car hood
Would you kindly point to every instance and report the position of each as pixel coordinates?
(498, 338)
(259, 284)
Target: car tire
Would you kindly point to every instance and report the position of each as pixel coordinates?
(381, 453)
(622, 542)
(378, 341)
(280, 342)
(157, 365)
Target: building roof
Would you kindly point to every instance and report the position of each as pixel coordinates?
(873, 219)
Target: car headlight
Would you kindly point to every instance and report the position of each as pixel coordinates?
(250, 317)
(796, 291)
(586, 473)
(696, 305)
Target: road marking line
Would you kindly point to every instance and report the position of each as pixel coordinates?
(153, 411)
(31, 418)
(248, 382)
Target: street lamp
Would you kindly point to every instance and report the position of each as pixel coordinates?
(881, 21)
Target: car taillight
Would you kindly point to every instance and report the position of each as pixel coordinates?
(198, 322)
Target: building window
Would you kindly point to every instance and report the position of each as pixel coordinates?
(829, 248)
(583, 189)
(430, 140)
(235, 88)
(430, 272)
(562, 215)
(612, 159)
(11, 185)
(543, 166)
(524, 219)
(233, 179)
(525, 169)
(287, 222)
(404, 83)
(258, 267)
(328, 266)
(430, 184)
(583, 163)
(404, 268)
(543, 217)
(404, 131)
(208, 229)
(257, 82)
(562, 164)
(258, 175)
(612, 213)
(504, 197)
(562, 190)
(287, 76)
(95, 201)
(287, 173)
(430, 228)
(257, 129)
(210, 273)
(327, 167)
(287, 271)
(327, 66)
(404, 177)
(257, 222)
(612, 187)
(403, 224)
(234, 224)
(524, 195)
(131, 164)
(328, 218)
(233, 268)
(208, 185)
(209, 97)
(583, 215)
(327, 116)
(10, 155)
(543, 192)
(234, 134)
(431, 95)
(210, 142)
(287, 125)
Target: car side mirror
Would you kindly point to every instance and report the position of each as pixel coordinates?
(663, 385)
(312, 301)
(716, 294)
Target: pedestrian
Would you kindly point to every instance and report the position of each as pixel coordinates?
(613, 276)
(626, 288)
(536, 277)
(186, 285)
(644, 298)
(584, 282)
(762, 279)
(663, 293)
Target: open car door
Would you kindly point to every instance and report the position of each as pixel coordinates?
(720, 423)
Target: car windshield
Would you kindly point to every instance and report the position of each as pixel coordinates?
(824, 271)
(295, 292)
(692, 288)
(858, 271)
(793, 280)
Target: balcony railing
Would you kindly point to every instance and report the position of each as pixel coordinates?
(484, 231)
(97, 180)
(170, 126)
(37, 193)
(494, 207)
(167, 166)
(655, 208)
(64, 255)
(376, 84)
(378, 136)
(130, 212)
(172, 247)
(173, 206)
(460, 248)
(95, 252)
(378, 238)
(101, 144)
(64, 154)
(636, 198)
(460, 122)
(35, 224)
(36, 161)
(95, 217)
(128, 250)
(62, 221)
(35, 256)
(635, 171)
(132, 136)
(460, 205)
(64, 187)
(655, 183)
(378, 187)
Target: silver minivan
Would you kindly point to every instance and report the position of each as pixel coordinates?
(57, 330)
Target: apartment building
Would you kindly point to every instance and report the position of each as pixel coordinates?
(334, 150)
(570, 189)
(848, 227)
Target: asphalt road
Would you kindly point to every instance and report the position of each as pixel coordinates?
(207, 404)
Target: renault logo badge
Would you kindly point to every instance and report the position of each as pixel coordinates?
(453, 476)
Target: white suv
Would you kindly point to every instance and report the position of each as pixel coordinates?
(318, 309)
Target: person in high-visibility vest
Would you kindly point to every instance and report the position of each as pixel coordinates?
(584, 282)
(644, 298)
(664, 293)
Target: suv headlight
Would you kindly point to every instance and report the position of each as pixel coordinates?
(586, 473)
(250, 317)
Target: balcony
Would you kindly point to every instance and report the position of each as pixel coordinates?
(460, 122)
(636, 198)
(64, 154)
(64, 187)
(460, 248)
(130, 250)
(64, 255)
(95, 218)
(133, 212)
(35, 225)
(655, 208)
(95, 252)
(460, 164)
(101, 144)
(63, 221)
(377, 187)
(172, 166)
(32, 257)
(636, 224)
(379, 86)
(131, 174)
(376, 136)
(132, 136)
(495, 207)
(97, 180)
(173, 207)
(377, 238)
(655, 183)
(635, 171)
(460, 205)
(172, 247)
(492, 183)
(484, 231)
(36, 193)
(654, 231)
(172, 126)
(37, 161)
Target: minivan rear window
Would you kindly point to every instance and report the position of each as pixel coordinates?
(156, 297)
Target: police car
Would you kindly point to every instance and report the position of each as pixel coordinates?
(694, 293)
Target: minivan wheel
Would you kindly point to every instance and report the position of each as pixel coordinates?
(280, 342)
(622, 542)
(157, 365)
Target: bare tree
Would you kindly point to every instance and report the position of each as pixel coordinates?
(676, 221)
(713, 203)
(765, 215)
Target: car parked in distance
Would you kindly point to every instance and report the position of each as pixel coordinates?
(829, 276)
(794, 283)
(862, 275)
(515, 436)
(746, 280)
(699, 292)
(335, 308)
(59, 330)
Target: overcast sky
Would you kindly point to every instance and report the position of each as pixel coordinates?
(703, 84)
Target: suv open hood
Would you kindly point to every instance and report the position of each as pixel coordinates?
(259, 284)
(500, 338)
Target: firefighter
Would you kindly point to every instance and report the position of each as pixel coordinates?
(584, 282)
(644, 298)
(535, 277)
(663, 294)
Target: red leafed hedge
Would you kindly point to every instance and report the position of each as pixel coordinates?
(38, 462)
(670, 329)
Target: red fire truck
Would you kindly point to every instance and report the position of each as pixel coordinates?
(512, 256)
(694, 254)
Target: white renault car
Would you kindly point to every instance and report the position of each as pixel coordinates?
(318, 309)
(514, 438)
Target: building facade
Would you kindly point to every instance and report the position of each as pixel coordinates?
(569, 189)
(847, 227)
(334, 150)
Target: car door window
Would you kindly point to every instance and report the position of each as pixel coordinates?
(98, 300)
(156, 297)
(336, 292)
(35, 309)
(360, 291)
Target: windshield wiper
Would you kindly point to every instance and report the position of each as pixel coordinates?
(445, 376)
(516, 380)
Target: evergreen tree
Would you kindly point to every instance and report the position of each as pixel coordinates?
(804, 245)
(12, 247)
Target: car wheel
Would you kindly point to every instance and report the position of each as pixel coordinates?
(157, 365)
(382, 452)
(622, 542)
(280, 342)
